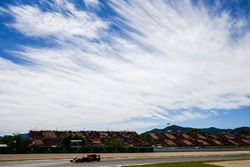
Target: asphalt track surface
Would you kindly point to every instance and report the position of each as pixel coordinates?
(118, 161)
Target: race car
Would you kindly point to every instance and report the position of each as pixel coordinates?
(88, 158)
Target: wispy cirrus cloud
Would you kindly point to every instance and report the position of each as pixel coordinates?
(92, 3)
(165, 62)
(65, 21)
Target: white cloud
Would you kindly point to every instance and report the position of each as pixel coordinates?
(92, 3)
(3, 10)
(32, 21)
(177, 58)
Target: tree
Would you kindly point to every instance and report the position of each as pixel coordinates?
(14, 140)
(195, 131)
(114, 143)
(146, 137)
(192, 131)
(65, 141)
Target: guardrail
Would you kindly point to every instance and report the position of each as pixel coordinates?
(97, 149)
(199, 149)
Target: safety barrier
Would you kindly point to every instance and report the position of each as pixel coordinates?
(97, 149)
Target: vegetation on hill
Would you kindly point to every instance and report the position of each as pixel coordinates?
(211, 130)
(242, 130)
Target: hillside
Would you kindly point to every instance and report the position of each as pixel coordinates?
(211, 130)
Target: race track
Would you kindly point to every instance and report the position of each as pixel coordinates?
(117, 161)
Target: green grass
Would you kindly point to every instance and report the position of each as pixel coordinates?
(178, 164)
(186, 164)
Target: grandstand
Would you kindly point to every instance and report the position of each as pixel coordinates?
(198, 139)
(128, 138)
(92, 138)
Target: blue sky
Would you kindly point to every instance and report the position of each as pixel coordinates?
(123, 65)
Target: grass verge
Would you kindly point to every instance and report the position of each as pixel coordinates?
(178, 164)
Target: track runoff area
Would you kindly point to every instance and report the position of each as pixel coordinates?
(119, 159)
